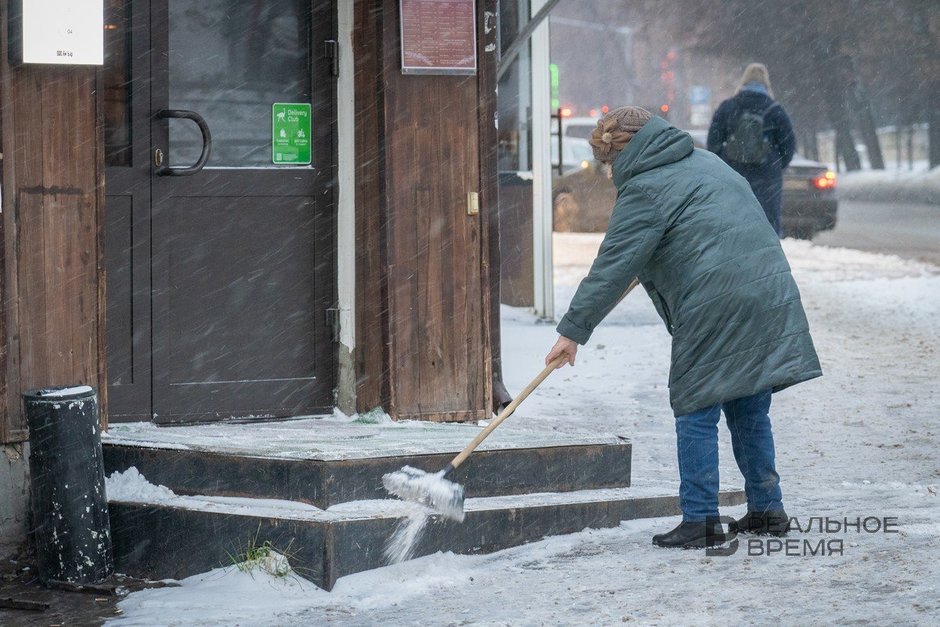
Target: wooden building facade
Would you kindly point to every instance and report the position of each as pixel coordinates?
(154, 246)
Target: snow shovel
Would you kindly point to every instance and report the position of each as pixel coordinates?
(434, 490)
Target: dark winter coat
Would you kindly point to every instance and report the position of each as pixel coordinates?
(690, 228)
(766, 179)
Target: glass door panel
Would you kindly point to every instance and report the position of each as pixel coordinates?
(116, 79)
(230, 61)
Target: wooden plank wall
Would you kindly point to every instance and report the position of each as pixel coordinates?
(371, 352)
(432, 258)
(10, 430)
(52, 199)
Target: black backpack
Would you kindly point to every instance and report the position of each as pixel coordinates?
(747, 144)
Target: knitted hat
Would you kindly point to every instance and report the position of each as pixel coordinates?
(615, 130)
(756, 73)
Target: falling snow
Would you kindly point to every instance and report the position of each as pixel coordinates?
(855, 443)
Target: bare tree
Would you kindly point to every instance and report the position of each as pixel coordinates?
(849, 66)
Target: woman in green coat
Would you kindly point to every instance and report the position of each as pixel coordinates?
(690, 229)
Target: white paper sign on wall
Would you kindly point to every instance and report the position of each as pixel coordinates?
(68, 32)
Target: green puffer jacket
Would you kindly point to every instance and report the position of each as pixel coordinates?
(691, 230)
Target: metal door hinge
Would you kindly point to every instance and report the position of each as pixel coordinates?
(331, 50)
(332, 321)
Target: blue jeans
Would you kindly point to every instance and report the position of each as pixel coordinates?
(753, 444)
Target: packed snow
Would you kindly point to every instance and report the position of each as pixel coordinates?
(918, 185)
(133, 487)
(860, 442)
(66, 391)
(336, 437)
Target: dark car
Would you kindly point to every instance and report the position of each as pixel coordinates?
(810, 204)
(583, 199)
(577, 152)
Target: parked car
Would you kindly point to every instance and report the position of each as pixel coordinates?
(583, 198)
(577, 152)
(579, 127)
(810, 204)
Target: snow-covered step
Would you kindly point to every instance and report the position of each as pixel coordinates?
(158, 534)
(324, 463)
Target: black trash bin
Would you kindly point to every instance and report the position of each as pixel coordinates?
(69, 505)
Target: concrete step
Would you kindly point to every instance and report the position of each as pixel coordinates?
(328, 482)
(184, 536)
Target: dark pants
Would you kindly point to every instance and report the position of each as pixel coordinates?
(752, 441)
(770, 196)
(767, 185)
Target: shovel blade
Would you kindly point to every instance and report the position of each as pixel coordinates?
(431, 490)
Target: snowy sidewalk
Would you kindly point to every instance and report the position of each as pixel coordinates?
(859, 443)
(919, 186)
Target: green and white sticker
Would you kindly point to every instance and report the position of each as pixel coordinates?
(290, 133)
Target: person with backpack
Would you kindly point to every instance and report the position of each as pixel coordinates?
(752, 133)
(693, 234)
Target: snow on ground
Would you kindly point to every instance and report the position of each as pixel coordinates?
(919, 185)
(334, 437)
(860, 442)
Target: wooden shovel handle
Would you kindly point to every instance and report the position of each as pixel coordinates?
(506, 413)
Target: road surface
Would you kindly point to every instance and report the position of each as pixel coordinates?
(906, 230)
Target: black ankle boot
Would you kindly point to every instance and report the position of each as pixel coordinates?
(769, 523)
(691, 535)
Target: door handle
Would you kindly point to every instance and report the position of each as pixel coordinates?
(206, 142)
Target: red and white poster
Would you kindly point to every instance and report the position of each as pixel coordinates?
(438, 37)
